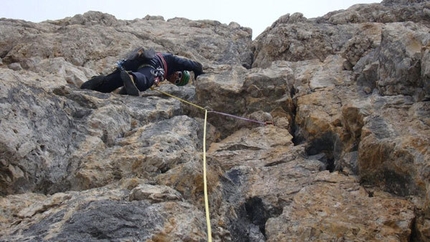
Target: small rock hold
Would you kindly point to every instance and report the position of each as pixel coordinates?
(15, 66)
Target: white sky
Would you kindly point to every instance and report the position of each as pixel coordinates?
(251, 13)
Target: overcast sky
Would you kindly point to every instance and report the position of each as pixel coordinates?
(254, 14)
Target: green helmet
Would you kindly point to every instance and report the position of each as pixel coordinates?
(185, 78)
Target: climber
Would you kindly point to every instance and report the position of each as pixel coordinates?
(142, 69)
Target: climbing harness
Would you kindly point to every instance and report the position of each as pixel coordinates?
(159, 72)
(205, 189)
(163, 61)
(158, 75)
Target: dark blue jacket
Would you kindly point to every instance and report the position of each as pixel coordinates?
(169, 63)
(140, 66)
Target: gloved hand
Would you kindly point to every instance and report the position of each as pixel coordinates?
(198, 73)
(199, 70)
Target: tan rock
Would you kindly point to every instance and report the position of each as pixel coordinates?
(335, 207)
(347, 157)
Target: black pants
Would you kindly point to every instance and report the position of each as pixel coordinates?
(143, 79)
(110, 82)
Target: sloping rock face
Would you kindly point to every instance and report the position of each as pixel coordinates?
(346, 159)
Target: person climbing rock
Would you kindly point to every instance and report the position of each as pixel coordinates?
(143, 69)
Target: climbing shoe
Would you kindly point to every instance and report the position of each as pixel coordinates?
(129, 85)
(93, 83)
(122, 91)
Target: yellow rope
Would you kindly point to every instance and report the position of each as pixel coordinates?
(180, 99)
(205, 186)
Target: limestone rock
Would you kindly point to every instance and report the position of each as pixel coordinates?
(100, 214)
(336, 208)
(321, 130)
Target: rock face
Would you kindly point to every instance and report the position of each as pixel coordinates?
(346, 159)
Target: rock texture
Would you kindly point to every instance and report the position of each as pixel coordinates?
(347, 158)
